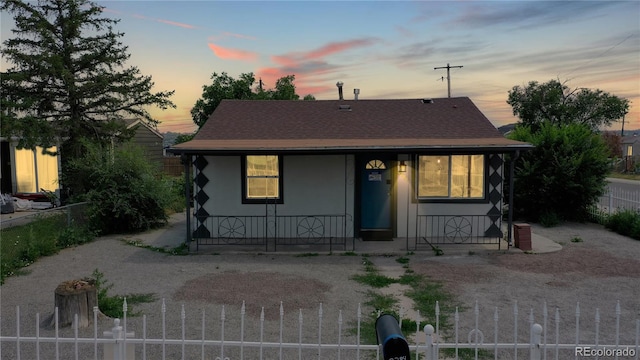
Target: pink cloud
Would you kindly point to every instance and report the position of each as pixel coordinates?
(336, 47)
(310, 68)
(232, 54)
(284, 61)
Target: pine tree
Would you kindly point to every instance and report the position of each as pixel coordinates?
(69, 82)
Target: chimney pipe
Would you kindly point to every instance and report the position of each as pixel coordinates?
(356, 92)
(339, 85)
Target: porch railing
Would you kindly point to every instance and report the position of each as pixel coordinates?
(457, 229)
(279, 230)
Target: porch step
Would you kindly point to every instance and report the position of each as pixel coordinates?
(376, 235)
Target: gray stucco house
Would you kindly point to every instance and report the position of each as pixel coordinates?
(326, 172)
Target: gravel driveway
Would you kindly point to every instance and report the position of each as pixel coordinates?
(597, 271)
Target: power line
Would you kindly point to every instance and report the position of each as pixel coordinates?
(448, 67)
(599, 56)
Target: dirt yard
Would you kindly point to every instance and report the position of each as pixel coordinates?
(597, 271)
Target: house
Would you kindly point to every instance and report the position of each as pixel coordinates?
(275, 173)
(148, 139)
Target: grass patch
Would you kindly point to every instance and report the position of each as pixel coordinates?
(112, 305)
(423, 291)
(21, 246)
(307, 255)
(576, 239)
(403, 260)
(349, 253)
(374, 280)
(182, 249)
(625, 176)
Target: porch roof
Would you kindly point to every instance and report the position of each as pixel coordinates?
(497, 144)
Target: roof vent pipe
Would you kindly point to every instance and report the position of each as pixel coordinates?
(356, 92)
(339, 85)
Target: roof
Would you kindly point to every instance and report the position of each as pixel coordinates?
(136, 122)
(631, 139)
(346, 125)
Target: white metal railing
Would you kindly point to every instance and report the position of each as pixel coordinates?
(120, 344)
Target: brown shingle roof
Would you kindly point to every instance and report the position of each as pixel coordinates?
(346, 124)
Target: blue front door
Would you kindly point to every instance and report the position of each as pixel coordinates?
(375, 196)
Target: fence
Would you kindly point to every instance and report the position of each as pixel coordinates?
(73, 213)
(289, 339)
(615, 200)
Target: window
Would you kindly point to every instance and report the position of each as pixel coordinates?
(262, 178)
(35, 170)
(451, 176)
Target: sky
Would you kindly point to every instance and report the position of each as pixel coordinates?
(387, 49)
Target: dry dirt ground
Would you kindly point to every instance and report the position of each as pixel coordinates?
(598, 271)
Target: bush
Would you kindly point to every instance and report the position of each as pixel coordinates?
(127, 194)
(564, 175)
(626, 222)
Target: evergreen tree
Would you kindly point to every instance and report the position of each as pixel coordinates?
(68, 83)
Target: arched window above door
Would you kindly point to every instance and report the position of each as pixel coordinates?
(375, 164)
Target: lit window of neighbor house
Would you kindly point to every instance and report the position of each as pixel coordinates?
(451, 176)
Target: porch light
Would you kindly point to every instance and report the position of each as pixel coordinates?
(403, 167)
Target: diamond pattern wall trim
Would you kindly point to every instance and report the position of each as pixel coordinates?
(495, 196)
(201, 197)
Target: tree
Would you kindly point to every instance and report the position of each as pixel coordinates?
(614, 143)
(68, 84)
(563, 175)
(222, 87)
(555, 102)
(226, 87)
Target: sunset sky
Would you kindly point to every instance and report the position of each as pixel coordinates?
(386, 49)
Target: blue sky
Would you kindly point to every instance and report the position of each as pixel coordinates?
(386, 49)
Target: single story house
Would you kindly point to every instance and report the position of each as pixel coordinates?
(275, 173)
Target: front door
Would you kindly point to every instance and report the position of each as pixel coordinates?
(375, 199)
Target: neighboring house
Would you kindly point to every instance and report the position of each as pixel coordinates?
(149, 140)
(631, 150)
(27, 171)
(273, 173)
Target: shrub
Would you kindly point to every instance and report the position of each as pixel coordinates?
(127, 194)
(625, 222)
(565, 173)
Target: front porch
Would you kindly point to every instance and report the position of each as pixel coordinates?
(333, 232)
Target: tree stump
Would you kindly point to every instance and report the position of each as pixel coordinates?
(74, 297)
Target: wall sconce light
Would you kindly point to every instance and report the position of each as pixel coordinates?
(402, 167)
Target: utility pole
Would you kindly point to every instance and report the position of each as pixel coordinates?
(448, 67)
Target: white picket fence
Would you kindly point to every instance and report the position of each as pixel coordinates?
(616, 199)
(545, 339)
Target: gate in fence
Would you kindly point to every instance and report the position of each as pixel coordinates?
(305, 337)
